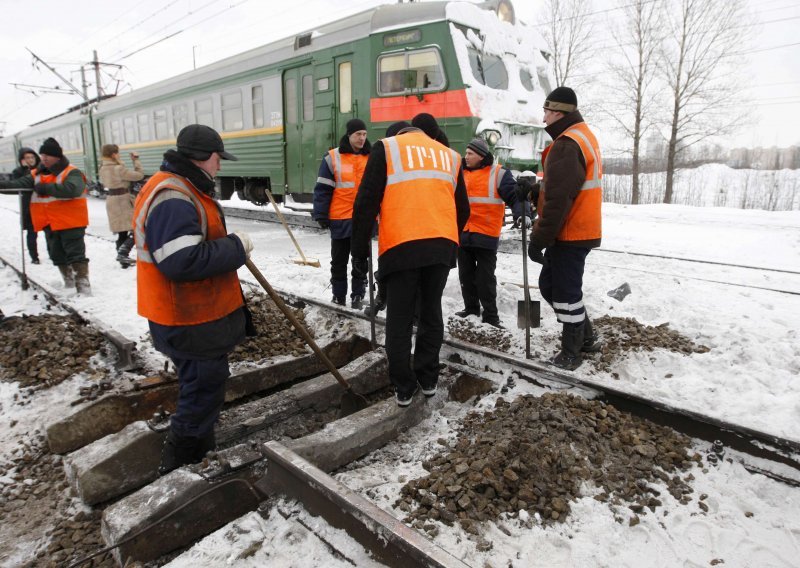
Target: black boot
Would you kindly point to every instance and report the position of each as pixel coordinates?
(208, 443)
(591, 339)
(570, 358)
(466, 312)
(123, 251)
(178, 451)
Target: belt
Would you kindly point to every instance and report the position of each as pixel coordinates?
(120, 191)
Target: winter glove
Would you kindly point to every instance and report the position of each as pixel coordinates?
(523, 189)
(324, 223)
(523, 221)
(246, 241)
(360, 268)
(535, 254)
(41, 188)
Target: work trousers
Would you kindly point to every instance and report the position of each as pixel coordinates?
(340, 254)
(33, 249)
(201, 392)
(402, 289)
(122, 236)
(561, 282)
(66, 246)
(476, 268)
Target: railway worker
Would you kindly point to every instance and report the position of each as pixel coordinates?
(490, 188)
(28, 160)
(569, 221)
(116, 178)
(58, 207)
(416, 185)
(337, 183)
(188, 288)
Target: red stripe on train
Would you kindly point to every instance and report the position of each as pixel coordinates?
(449, 104)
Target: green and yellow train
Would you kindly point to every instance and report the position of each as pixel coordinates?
(281, 106)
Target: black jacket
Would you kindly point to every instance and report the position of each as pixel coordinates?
(22, 171)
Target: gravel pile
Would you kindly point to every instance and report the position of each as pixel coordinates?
(483, 335)
(276, 336)
(44, 350)
(532, 457)
(620, 335)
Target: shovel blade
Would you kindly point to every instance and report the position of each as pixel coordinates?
(351, 403)
(534, 313)
(307, 262)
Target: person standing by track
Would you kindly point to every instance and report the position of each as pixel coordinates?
(188, 288)
(28, 160)
(116, 178)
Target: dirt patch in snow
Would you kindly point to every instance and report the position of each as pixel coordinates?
(276, 336)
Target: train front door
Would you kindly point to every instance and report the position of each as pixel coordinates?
(302, 163)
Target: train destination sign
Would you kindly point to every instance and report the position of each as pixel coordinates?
(399, 38)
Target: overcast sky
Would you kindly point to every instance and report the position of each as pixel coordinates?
(208, 30)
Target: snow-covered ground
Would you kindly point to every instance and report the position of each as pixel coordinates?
(749, 376)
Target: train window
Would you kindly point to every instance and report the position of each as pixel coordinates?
(161, 124)
(346, 87)
(323, 84)
(291, 101)
(128, 130)
(115, 132)
(257, 96)
(144, 126)
(204, 112)
(526, 79)
(419, 70)
(543, 80)
(232, 111)
(180, 117)
(488, 69)
(308, 97)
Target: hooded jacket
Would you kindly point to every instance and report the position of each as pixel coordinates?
(22, 171)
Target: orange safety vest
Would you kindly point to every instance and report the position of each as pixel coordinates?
(583, 222)
(58, 212)
(487, 210)
(419, 199)
(168, 302)
(348, 169)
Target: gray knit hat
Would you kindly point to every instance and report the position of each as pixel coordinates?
(479, 146)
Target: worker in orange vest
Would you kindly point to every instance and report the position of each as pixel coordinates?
(58, 207)
(416, 185)
(569, 222)
(337, 184)
(490, 188)
(188, 288)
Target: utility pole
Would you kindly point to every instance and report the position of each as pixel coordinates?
(57, 74)
(84, 84)
(96, 64)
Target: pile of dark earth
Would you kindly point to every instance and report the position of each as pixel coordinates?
(482, 334)
(37, 506)
(43, 350)
(620, 335)
(535, 454)
(276, 336)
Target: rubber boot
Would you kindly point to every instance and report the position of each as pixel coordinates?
(207, 443)
(123, 251)
(570, 357)
(177, 451)
(82, 277)
(68, 275)
(591, 339)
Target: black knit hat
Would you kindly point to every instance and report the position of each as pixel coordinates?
(198, 142)
(479, 146)
(51, 148)
(427, 123)
(396, 127)
(354, 125)
(562, 99)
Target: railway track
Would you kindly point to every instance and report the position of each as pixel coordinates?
(249, 470)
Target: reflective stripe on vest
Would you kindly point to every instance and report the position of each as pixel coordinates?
(487, 208)
(419, 199)
(58, 212)
(583, 222)
(348, 169)
(170, 302)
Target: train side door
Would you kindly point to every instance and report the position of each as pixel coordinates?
(302, 162)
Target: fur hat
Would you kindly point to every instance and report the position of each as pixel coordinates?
(479, 146)
(51, 148)
(354, 125)
(561, 99)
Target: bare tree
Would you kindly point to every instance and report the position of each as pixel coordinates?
(567, 28)
(631, 74)
(700, 61)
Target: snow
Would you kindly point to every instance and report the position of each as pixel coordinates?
(750, 376)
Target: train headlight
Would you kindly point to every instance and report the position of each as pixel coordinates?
(492, 137)
(503, 8)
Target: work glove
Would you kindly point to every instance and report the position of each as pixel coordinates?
(523, 221)
(535, 254)
(523, 189)
(246, 241)
(41, 188)
(360, 268)
(324, 223)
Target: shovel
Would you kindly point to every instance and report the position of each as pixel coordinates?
(372, 309)
(351, 401)
(302, 260)
(524, 306)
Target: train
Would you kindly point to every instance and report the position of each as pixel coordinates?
(281, 106)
